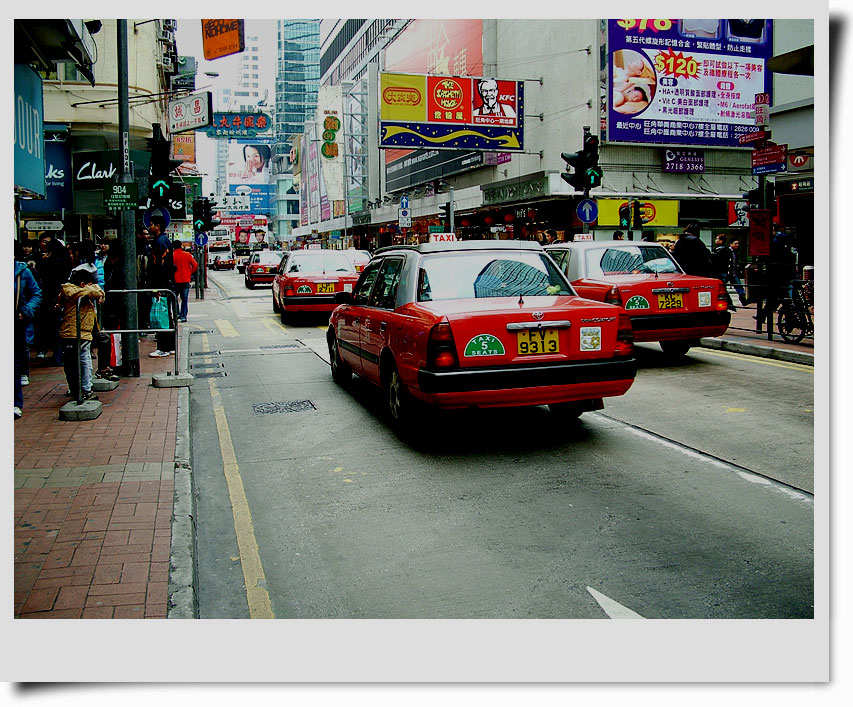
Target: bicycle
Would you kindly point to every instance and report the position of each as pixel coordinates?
(794, 317)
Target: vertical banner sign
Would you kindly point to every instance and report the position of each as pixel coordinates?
(29, 131)
(688, 82)
(222, 37)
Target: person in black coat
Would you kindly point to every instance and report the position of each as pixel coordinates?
(692, 254)
(53, 265)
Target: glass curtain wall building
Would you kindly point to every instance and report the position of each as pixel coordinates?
(296, 86)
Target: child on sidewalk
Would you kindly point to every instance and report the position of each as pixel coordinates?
(81, 286)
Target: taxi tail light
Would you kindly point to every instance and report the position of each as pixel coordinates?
(441, 348)
(722, 297)
(288, 290)
(613, 296)
(624, 336)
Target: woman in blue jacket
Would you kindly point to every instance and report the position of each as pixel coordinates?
(27, 299)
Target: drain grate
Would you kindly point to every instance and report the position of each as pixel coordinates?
(201, 331)
(207, 365)
(210, 374)
(285, 406)
(281, 346)
(205, 353)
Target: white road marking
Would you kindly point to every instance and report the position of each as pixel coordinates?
(707, 459)
(613, 608)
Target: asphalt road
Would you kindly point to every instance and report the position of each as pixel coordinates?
(689, 497)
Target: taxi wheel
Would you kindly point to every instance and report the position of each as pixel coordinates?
(249, 284)
(341, 372)
(400, 403)
(675, 348)
(284, 315)
(275, 307)
(566, 411)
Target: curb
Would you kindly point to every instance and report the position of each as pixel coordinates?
(740, 347)
(182, 596)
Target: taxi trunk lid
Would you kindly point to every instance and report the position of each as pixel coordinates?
(647, 294)
(503, 331)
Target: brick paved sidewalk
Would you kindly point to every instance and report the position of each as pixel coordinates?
(93, 499)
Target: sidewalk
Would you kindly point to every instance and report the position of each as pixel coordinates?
(741, 337)
(94, 499)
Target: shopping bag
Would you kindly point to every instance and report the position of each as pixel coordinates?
(115, 351)
(159, 316)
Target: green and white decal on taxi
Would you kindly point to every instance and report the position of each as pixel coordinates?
(484, 345)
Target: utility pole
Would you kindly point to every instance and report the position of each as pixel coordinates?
(129, 342)
(450, 213)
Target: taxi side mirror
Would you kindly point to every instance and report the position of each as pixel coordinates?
(343, 297)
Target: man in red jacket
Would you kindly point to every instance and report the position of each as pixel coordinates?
(185, 267)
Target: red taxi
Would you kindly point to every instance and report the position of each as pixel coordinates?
(359, 258)
(307, 280)
(478, 323)
(665, 304)
(262, 267)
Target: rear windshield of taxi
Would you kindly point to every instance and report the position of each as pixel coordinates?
(333, 261)
(489, 274)
(629, 260)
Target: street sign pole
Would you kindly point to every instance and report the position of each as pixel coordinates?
(129, 342)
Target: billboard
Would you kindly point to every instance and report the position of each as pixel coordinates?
(238, 125)
(688, 82)
(451, 112)
(248, 173)
(29, 131)
(57, 176)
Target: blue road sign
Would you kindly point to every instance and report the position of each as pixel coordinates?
(404, 202)
(587, 210)
(201, 239)
(157, 211)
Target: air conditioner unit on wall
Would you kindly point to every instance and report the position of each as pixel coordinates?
(170, 25)
(165, 63)
(165, 35)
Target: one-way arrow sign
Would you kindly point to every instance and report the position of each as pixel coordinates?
(587, 210)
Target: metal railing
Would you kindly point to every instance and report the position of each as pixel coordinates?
(172, 306)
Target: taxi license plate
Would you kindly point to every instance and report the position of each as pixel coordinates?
(326, 288)
(670, 300)
(538, 341)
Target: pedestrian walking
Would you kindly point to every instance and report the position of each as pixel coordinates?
(81, 286)
(734, 273)
(27, 300)
(618, 236)
(111, 311)
(53, 265)
(722, 257)
(162, 277)
(692, 254)
(143, 277)
(185, 268)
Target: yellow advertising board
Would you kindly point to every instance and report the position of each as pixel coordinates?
(656, 212)
(403, 97)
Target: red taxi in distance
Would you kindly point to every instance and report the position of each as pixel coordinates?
(478, 323)
(308, 279)
(665, 304)
(261, 267)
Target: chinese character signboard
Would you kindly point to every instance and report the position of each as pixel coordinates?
(688, 82)
(190, 112)
(238, 125)
(451, 112)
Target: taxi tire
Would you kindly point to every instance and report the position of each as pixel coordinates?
(249, 285)
(341, 372)
(675, 349)
(402, 407)
(275, 307)
(573, 410)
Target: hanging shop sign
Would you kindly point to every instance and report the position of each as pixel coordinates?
(451, 112)
(222, 37)
(506, 192)
(190, 112)
(689, 82)
(238, 125)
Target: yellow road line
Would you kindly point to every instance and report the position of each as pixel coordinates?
(257, 596)
(758, 359)
(225, 327)
(274, 326)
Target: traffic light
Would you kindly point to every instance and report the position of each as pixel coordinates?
(198, 216)
(637, 213)
(210, 221)
(625, 216)
(444, 210)
(160, 186)
(587, 173)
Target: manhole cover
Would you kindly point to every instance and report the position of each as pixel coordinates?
(281, 346)
(205, 353)
(285, 406)
(210, 374)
